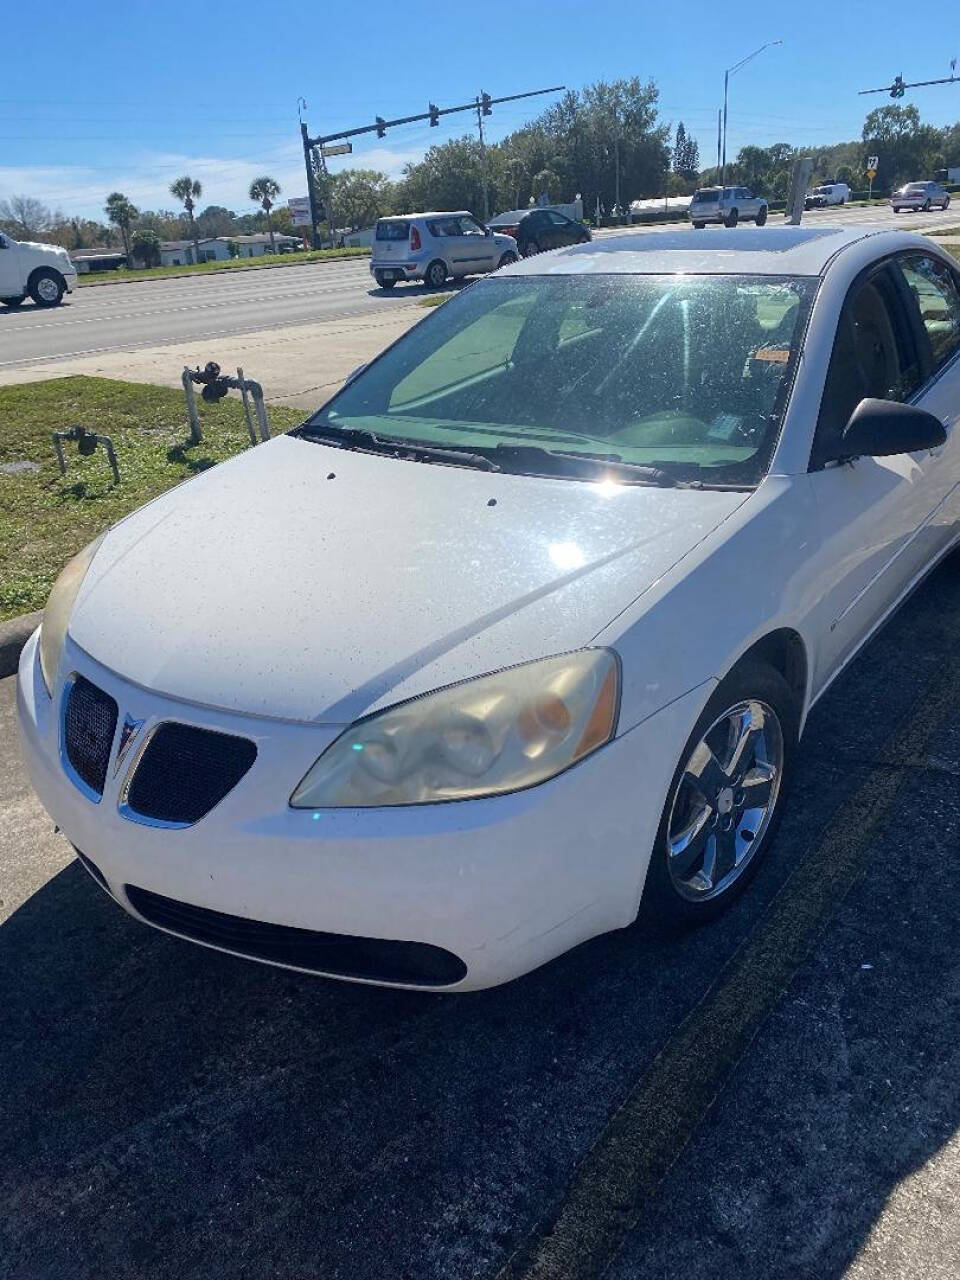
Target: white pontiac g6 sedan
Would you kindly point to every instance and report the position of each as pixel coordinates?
(523, 624)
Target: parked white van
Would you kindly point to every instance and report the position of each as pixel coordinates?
(828, 193)
(42, 272)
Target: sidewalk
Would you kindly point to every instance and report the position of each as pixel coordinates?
(298, 366)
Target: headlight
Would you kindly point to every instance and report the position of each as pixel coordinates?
(484, 737)
(56, 616)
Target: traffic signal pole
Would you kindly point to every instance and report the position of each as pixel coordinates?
(481, 105)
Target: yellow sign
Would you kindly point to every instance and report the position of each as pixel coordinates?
(871, 174)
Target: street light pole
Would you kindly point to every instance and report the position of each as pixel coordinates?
(726, 84)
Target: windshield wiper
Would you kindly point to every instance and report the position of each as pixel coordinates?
(414, 450)
(573, 461)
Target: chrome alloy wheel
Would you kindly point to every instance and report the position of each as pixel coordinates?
(48, 289)
(724, 800)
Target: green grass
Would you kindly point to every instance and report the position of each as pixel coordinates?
(45, 517)
(233, 264)
(433, 299)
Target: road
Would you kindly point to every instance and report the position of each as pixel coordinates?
(773, 1097)
(96, 320)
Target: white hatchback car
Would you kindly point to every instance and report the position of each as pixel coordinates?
(459, 710)
(434, 246)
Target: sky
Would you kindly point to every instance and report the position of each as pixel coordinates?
(131, 96)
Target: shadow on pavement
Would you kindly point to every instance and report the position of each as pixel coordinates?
(173, 1112)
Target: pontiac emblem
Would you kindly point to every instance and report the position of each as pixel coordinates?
(128, 733)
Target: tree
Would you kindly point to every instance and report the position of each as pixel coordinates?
(264, 191)
(215, 220)
(146, 247)
(448, 177)
(23, 216)
(545, 183)
(122, 213)
(359, 196)
(187, 190)
(686, 153)
(906, 147)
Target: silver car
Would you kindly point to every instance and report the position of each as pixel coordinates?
(920, 195)
(434, 246)
(729, 206)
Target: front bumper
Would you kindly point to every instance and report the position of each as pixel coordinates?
(70, 279)
(503, 884)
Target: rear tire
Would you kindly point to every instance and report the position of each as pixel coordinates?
(13, 302)
(435, 274)
(531, 248)
(47, 287)
(682, 887)
(732, 218)
(383, 282)
(762, 216)
(507, 258)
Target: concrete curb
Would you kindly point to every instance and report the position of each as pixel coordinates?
(14, 634)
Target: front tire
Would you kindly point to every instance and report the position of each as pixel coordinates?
(47, 287)
(946, 203)
(926, 206)
(762, 216)
(435, 274)
(726, 796)
(13, 302)
(732, 218)
(698, 226)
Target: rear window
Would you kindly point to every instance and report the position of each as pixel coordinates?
(393, 230)
(706, 197)
(915, 186)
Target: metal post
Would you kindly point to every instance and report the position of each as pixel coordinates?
(256, 391)
(246, 406)
(311, 193)
(195, 433)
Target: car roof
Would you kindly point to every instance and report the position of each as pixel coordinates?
(786, 251)
(433, 213)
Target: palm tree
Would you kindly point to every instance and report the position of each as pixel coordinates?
(263, 191)
(516, 171)
(187, 190)
(121, 212)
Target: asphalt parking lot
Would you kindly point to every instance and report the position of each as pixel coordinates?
(776, 1095)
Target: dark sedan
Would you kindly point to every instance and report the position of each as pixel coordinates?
(536, 230)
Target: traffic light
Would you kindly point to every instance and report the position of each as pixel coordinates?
(897, 88)
(434, 116)
(381, 127)
(485, 104)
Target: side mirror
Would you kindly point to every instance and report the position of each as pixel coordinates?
(487, 231)
(354, 373)
(880, 428)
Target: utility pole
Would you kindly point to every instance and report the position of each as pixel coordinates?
(719, 132)
(483, 109)
(616, 163)
(380, 126)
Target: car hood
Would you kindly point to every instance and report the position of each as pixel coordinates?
(51, 250)
(311, 583)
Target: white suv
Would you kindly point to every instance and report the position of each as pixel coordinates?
(433, 246)
(729, 206)
(42, 272)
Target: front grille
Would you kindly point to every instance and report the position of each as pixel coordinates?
(185, 771)
(89, 723)
(378, 959)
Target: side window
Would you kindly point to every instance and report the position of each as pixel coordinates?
(558, 219)
(444, 227)
(469, 227)
(933, 286)
(874, 355)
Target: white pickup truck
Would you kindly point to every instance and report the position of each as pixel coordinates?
(42, 272)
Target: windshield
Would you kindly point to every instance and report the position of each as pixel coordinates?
(684, 374)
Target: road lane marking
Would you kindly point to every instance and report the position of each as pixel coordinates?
(621, 1173)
